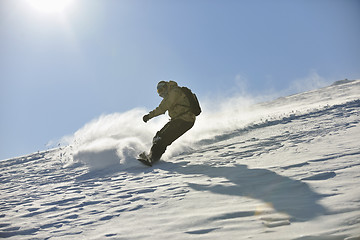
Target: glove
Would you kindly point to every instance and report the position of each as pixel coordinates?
(146, 117)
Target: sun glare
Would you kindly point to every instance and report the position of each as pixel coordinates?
(50, 6)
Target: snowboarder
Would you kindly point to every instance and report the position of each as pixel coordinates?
(182, 118)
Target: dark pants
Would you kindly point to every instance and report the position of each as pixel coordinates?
(167, 135)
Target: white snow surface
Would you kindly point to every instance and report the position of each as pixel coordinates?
(283, 169)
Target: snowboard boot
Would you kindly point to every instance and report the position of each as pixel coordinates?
(144, 158)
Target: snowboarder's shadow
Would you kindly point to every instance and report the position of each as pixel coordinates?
(284, 194)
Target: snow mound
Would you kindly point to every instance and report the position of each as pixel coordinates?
(290, 170)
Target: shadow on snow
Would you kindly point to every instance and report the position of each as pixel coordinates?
(286, 195)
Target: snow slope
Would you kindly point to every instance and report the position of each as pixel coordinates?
(284, 169)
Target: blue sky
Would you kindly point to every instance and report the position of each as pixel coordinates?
(59, 70)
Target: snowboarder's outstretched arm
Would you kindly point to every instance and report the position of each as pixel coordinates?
(161, 109)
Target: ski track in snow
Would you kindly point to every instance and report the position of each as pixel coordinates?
(296, 177)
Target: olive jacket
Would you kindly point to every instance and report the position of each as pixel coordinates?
(176, 103)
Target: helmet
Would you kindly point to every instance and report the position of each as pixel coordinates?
(162, 88)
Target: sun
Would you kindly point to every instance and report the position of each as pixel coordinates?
(50, 6)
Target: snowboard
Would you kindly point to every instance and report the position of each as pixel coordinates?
(144, 159)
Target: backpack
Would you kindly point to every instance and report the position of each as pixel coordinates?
(194, 103)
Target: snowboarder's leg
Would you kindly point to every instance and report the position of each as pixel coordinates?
(167, 135)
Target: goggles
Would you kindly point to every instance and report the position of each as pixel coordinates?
(161, 89)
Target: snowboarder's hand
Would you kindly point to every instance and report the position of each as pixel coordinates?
(146, 118)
